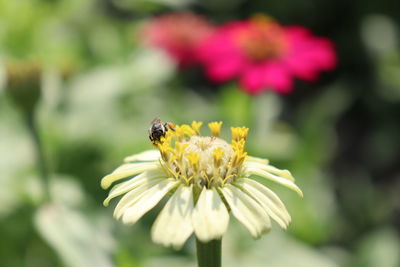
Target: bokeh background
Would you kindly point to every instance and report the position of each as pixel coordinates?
(101, 88)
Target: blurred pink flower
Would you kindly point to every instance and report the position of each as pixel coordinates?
(179, 34)
(265, 55)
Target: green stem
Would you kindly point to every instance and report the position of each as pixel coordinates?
(266, 109)
(209, 254)
(40, 158)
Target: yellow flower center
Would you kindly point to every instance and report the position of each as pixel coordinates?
(262, 39)
(202, 160)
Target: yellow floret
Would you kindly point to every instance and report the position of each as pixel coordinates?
(215, 128)
(194, 160)
(179, 149)
(218, 154)
(196, 125)
(239, 133)
(182, 131)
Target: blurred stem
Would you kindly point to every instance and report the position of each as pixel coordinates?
(266, 108)
(208, 254)
(235, 105)
(40, 158)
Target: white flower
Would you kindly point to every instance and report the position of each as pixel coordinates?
(207, 179)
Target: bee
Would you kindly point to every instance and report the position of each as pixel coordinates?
(158, 129)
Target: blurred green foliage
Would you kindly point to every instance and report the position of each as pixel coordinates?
(101, 89)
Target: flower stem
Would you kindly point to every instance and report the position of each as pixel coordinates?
(266, 109)
(209, 254)
(40, 158)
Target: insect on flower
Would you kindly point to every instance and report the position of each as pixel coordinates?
(158, 129)
(209, 180)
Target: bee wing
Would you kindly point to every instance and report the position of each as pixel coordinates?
(156, 120)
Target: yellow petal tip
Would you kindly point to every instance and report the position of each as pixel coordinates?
(105, 183)
(106, 202)
(300, 193)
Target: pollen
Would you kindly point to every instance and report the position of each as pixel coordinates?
(215, 128)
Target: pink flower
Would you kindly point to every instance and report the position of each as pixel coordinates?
(179, 34)
(265, 55)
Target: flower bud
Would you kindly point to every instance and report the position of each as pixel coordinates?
(23, 84)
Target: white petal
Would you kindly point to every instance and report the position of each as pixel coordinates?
(267, 199)
(250, 168)
(148, 155)
(247, 210)
(282, 173)
(147, 201)
(174, 225)
(132, 183)
(126, 170)
(255, 159)
(134, 195)
(269, 168)
(210, 217)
